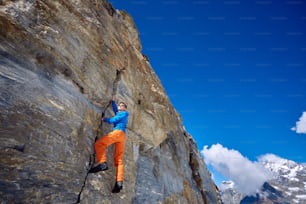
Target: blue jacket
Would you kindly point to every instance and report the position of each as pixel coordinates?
(120, 119)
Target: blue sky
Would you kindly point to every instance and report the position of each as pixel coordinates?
(234, 70)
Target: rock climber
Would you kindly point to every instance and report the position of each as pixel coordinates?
(117, 137)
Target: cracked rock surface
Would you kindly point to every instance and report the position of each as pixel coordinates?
(60, 63)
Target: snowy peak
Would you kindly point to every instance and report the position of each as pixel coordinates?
(229, 193)
(281, 166)
(288, 184)
(284, 169)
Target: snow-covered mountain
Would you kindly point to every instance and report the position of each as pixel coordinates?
(288, 185)
(229, 194)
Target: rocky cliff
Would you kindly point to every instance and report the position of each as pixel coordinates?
(60, 63)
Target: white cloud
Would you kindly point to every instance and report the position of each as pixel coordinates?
(300, 126)
(248, 176)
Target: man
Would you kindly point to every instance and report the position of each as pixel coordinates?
(117, 137)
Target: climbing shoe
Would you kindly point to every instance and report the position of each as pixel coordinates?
(100, 167)
(117, 187)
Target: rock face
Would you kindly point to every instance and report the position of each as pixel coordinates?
(60, 63)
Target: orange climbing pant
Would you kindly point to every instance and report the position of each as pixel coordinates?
(116, 137)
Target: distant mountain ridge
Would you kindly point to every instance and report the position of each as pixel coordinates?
(287, 186)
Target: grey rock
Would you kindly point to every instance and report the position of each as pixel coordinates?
(60, 63)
